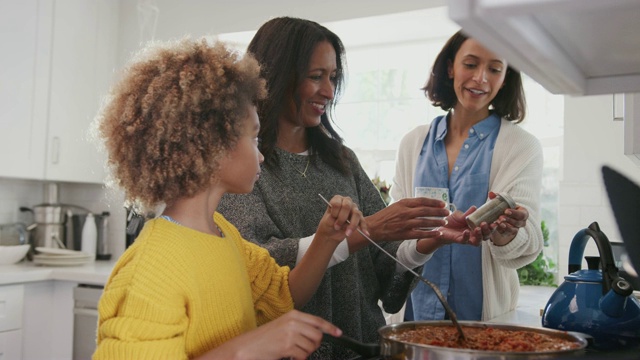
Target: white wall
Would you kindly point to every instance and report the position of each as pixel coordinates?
(591, 139)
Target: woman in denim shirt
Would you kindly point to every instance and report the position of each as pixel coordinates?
(475, 150)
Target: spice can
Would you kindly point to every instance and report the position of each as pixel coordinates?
(490, 211)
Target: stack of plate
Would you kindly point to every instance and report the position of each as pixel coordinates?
(60, 257)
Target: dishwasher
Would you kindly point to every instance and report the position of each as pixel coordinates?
(85, 320)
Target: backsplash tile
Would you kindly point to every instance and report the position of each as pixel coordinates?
(16, 193)
(580, 194)
(569, 215)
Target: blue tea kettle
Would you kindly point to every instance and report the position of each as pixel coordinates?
(596, 301)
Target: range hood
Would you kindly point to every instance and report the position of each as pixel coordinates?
(574, 47)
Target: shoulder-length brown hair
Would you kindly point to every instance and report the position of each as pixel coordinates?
(283, 46)
(509, 103)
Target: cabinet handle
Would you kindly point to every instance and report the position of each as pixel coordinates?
(618, 107)
(55, 150)
(86, 312)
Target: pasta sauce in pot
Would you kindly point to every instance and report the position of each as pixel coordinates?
(483, 338)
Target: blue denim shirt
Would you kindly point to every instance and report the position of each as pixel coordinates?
(455, 269)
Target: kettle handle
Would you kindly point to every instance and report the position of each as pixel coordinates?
(610, 275)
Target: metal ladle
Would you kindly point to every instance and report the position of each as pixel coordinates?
(447, 308)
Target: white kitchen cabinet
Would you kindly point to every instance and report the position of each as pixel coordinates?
(83, 59)
(11, 301)
(631, 113)
(47, 331)
(59, 65)
(25, 32)
(10, 345)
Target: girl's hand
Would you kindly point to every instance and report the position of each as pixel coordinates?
(294, 335)
(341, 219)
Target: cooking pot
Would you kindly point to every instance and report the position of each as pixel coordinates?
(595, 301)
(391, 348)
(49, 227)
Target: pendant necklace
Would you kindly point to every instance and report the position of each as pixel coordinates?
(304, 172)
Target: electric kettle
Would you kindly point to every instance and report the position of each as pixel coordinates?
(595, 301)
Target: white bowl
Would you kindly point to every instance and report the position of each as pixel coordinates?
(12, 254)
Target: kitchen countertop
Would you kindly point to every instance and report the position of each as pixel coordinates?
(95, 273)
(531, 302)
(528, 312)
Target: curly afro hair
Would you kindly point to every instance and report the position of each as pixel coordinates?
(176, 112)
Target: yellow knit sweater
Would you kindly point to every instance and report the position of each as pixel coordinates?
(177, 293)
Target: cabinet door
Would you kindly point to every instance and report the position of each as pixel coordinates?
(82, 62)
(632, 127)
(11, 345)
(11, 311)
(11, 300)
(25, 35)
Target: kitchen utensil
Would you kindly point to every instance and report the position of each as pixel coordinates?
(89, 236)
(102, 247)
(624, 196)
(60, 257)
(135, 223)
(48, 227)
(452, 315)
(391, 348)
(593, 301)
(490, 211)
(13, 234)
(61, 252)
(12, 254)
(437, 193)
(50, 220)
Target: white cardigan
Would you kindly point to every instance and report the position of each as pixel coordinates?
(516, 169)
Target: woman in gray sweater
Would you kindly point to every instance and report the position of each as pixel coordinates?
(302, 63)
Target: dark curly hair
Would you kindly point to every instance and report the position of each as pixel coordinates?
(177, 110)
(509, 103)
(284, 46)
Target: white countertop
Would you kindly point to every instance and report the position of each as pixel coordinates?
(95, 273)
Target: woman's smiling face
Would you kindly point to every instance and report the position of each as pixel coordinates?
(317, 89)
(478, 74)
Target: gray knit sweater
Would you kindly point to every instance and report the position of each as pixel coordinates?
(284, 207)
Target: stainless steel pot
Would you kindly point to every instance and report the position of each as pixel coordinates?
(397, 350)
(49, 214)
(48, 228)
